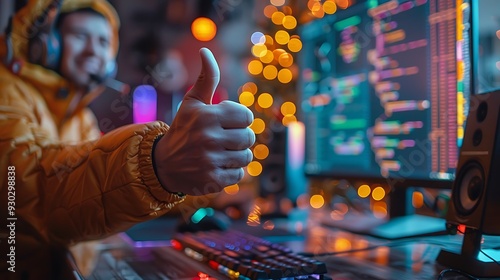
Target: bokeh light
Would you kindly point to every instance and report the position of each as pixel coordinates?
(246, 98)
(269, 10)
(257, 37)
(269, 40)
(285, 60)
(254, 168)
(270, 72)
(250, 86)
(342, 244)
(417, 199)
(255, 67)
(287, 10)
(303, 201)
(258, 125)
(288, 119)
(288, 108)
(282, 37)
(267, 57)
(380, 209)
(277, 18)
(317, 201)
(364, 191)
(289, 22)
(277, 53)
(203, 29)
(294, 45)
(265, 100)
(278, 2)
(329, 7)
(343, 4)
(317, 10)
(285, 76)
(232, 189)
(378, 193)
(259, 50)
(260, 151)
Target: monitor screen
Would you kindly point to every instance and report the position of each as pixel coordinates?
(384, 95)
(487, 38)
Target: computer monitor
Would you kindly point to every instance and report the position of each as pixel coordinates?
(385, 90)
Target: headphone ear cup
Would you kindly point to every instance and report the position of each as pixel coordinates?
(45, 47)
(45, 50)
(54, 47)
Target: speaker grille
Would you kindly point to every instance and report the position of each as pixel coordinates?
(469, 187)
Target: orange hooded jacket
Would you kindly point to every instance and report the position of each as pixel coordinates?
(62, 182)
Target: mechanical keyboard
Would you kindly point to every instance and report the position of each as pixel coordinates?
(242, 256)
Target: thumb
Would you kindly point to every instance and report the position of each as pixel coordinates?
(204, 88)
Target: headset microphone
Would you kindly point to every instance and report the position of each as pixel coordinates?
(112, 83)
(108, 79)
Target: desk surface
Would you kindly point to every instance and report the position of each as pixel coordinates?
(145, 253)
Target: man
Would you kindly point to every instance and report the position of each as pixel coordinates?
(64, 184)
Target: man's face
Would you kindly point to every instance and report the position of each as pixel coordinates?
(86, 47)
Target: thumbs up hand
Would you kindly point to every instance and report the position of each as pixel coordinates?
(207, 145)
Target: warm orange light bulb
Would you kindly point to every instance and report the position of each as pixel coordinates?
(203, 29)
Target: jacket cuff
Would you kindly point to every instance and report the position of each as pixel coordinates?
(146, 167)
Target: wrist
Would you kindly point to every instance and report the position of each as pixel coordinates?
(155, 164)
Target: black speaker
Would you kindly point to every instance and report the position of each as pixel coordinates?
(476, 191)
(272, 179)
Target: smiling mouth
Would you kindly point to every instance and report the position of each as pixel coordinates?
(90, 66)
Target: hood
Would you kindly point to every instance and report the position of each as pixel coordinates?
(24, 24)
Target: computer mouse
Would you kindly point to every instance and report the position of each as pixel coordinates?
(204, 219)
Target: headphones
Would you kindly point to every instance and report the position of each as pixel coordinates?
(44, 47)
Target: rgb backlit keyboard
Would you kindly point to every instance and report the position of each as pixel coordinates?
(242, 256)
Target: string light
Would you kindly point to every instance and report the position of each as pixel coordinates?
(285, 76)
(255, 67)
(269, 10)
(258, 125)
(273, 64)
(295, 45)
(285, 59)
(289, 22)
(267, 57)
(250, 87)
(254, 168)
(246, 98)
(259, 50)
(282, 37)
(329, 7)
(277, 18)
(265, 100)
(270, 72)
(288, 108)
(232, 189)
(260, 151)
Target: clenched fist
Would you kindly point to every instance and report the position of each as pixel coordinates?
(207, 145)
